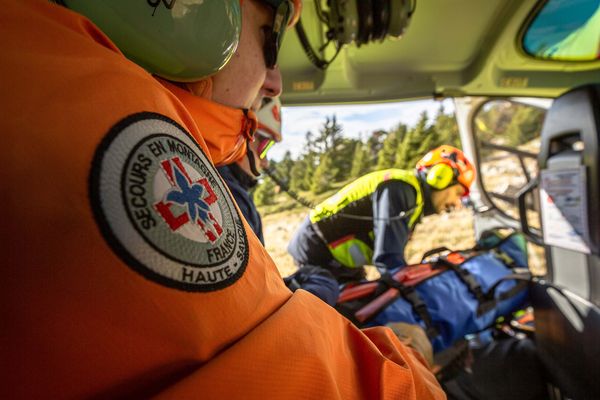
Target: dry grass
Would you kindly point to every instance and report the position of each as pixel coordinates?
(453, 230)
(278, 230)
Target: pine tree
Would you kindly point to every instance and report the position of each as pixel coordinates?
(330, 136)
(296, 181)
(323, 175)
(447, 129)
(387, 155)
(430, 141)
(310, 143)
(342, 162)
(409, 150)
(264, 194)
(374, 145)
(360, 161)
(284, 166)
(310, 166)
(331, 142)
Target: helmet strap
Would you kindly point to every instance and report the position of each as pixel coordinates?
(252, 161)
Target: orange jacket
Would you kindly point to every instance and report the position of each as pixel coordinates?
(127, 269)
(226, 130)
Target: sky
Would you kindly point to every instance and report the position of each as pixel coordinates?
(354, 119)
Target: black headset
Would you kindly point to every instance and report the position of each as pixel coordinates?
(359, 22)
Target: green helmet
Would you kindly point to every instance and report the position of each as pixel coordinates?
(180, 40)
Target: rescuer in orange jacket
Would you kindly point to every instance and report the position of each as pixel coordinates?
(128, 271)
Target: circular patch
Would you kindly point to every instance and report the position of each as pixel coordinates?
(163, 208)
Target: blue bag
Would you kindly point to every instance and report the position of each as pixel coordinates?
(449, 299)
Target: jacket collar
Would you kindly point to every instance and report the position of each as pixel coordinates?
(225, 130)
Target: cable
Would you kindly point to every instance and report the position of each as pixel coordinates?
(285, 187)
(320, 13)
(414, 7)
(311, 206)
(308, 50)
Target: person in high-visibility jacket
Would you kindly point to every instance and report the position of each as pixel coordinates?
(369, 221)
(128, 270)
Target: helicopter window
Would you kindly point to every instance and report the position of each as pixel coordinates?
(565, 30)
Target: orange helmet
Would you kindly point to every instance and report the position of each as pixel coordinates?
(463, 171)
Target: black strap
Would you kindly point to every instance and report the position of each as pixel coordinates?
(414, 299)
(292, 283)
(523, 279)
(469, 280)
(251, 161)
(513, 291)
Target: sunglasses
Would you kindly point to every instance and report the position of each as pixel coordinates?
(274, 34)
(264, 144)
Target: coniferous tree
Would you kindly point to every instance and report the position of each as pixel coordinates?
(447, 128)
(409, 150)
(360, 161)
(342, 160)
(329, 141)
(430, 141)
(310, 166)
(310, 143)
(374, 145)
(330, 136)
(284, 166)
(264, 194)
(387, 155)
(323, 175)
(296, 181)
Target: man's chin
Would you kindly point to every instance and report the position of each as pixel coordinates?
(257, 104)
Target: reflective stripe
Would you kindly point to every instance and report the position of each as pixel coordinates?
(351, 251)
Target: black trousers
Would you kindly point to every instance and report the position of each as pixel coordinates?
(506, 368)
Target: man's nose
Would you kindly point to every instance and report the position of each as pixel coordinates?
(458, 203)
(272, 86)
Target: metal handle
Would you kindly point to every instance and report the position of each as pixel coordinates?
(534, 237)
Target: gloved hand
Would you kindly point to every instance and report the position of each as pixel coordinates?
(414, 337)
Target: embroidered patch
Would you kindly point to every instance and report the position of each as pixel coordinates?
(162, 207)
